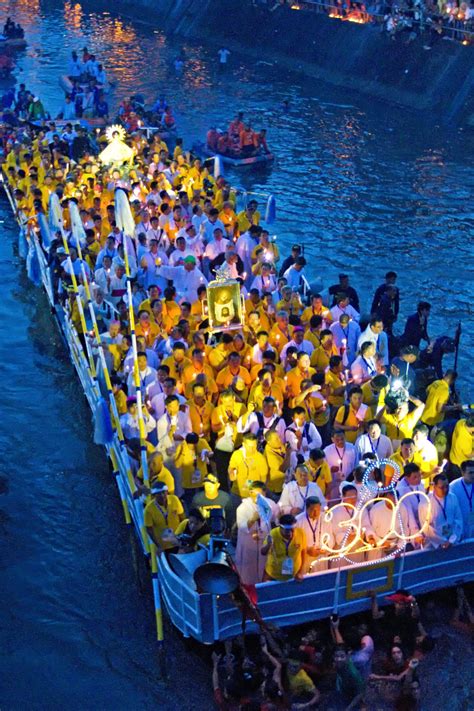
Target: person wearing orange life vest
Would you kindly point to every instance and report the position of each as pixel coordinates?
(236, 126)
(247, 141)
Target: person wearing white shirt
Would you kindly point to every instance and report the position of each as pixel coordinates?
(374, 441)
(254, 516)
(149, 272)
(265, 281)
(341, 456)
(172, 428)
(317, 533)
(382, 524)
(129, 421)
(158, 400)
(198, 219)
(214, 248)
(146, 375)
(155, 233)
(341, 519)
(294, 275)
(299, 342)
(259, 423)
(294, 494)
(375, 334)
(210, 225)
(186, 279)
(245, 246)
(345, 335)
(442, 514)
(176, 258)
(302, 435)
(343, 307)
(463, 490)
(410, 483)
(364, 367)
(193, 240)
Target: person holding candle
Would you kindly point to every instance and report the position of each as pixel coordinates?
(353, 417)
(346, 334)
(340, 455)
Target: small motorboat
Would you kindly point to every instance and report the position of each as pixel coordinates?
(12, 42)
(202, 149)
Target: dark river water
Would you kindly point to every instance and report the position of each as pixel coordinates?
(366, 187)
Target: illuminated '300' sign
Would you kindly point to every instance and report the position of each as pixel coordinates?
(354, 540)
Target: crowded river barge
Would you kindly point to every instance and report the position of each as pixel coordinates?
(283, 457)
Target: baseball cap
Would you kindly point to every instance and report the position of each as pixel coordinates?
(189, 259)
(298, 328)
(211, 478)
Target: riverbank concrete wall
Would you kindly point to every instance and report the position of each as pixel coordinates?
(438, 82)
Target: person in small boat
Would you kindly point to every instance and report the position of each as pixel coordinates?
(261, 141)
(225, 145)
(247, 141)
(212, 138)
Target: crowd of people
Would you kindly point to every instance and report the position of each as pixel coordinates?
(239, 141)
(273, 424)
(13, 30)
(85, 85)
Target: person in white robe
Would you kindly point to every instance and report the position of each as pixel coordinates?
(443, 515)
(318, 535)
(255, 516)
(463, 489)
(374, 441)
(295, 493)
(386, 523)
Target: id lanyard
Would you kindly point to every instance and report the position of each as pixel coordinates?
(370, 369)
(341, 457)
(313, 530)
(163, 513)
(305, 495)
(443, 508)
(376, 449)
(468, 496)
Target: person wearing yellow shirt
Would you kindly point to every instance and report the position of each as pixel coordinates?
(320, 357)
(228, 217)
(196, 367)
(316, 406)
(156, 472)
(147, 329)
(399, 421)
(426, 454)
(177, 362)
(248, 217)
(277, 456)
(119, 395)
(271, 253)
(335, 381)
(281, 333)
(265, 386)
(244, 350)
(317, 308)
(285, 548)
(374, 392)
(200, 411)
(247, 464)
(171, 309)
(318, 469)
(313, 331)
(462, 446)
(194, 530)
(91, 250)
(224, 425)
(353, 417)
(437, 398)
(199, 308)
(295, 376)
(153, 293)
(218, 355)
(268, 359)
(233, 370)
(290, 302)
(192, 460)
(257, 319)
(404, 455)
(162, 516)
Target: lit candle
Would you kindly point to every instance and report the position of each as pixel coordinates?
(344, 342)
(347, 373)
(244, 275)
